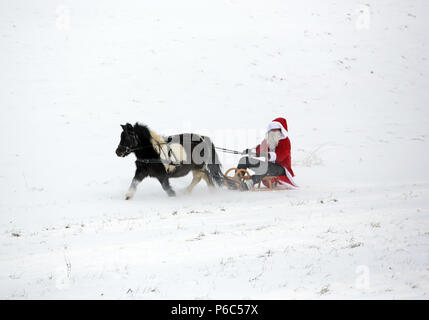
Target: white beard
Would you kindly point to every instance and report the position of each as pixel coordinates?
(273, 138)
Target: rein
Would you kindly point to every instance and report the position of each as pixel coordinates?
(129, 150)
(163, 161)
(148, 161)
(229, 151)
(260, 154)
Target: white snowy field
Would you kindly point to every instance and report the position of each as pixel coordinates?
(352, 79)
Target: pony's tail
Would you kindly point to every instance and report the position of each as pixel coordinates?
(213, 164)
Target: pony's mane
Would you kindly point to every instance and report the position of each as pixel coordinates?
(149, 137)
(143, 132)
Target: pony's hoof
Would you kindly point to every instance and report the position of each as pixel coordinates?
(128, 197)
(171, 194)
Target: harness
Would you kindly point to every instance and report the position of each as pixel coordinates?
(170, 153)
(176, 162)
(166, 159)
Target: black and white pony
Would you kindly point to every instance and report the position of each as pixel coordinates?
(169, 157)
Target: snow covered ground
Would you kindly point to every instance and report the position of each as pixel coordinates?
(352, 79)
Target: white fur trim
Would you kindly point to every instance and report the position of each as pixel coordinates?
(273, 156)
(277, 125)
(289, 176)
(252, 152)
(286, 185)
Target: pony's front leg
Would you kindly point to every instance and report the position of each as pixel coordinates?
(138, 177)
(166, 186)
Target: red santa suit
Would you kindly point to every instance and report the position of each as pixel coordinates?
(281, 154)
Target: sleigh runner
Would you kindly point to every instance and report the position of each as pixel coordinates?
(235, 178)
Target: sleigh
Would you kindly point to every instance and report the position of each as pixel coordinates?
(235, 179)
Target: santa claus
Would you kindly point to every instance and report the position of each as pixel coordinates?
(276, 148)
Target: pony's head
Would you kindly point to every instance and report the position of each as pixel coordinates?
(129, 141)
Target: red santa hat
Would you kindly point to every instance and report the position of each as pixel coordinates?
(279, 123)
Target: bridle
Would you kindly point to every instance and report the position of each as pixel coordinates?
(137, 142)
(128, 149)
